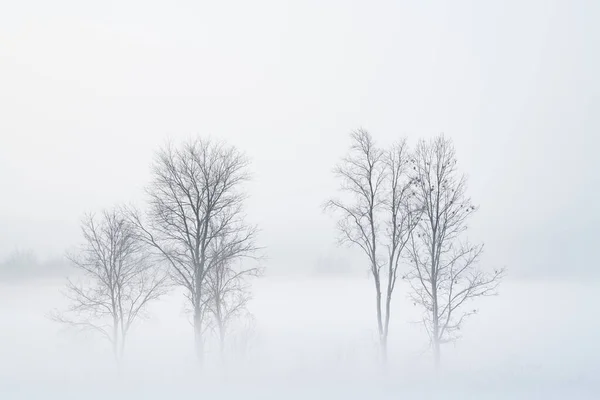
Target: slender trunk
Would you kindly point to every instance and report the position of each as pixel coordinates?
(222, 340)
(436, 353)
(122, 349)
(388, 310)
(116, 341)
(220, 326)
(436, 328)
(434, 296)
(375, 270)
(198, 339)
(383, 345)
(386, 327)
(380, 330)
(379, 316)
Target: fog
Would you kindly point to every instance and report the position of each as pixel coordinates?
(90, 92)
(314, 337)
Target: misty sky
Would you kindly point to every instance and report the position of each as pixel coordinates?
(89, 91)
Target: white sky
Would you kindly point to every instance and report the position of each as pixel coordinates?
(89, 91)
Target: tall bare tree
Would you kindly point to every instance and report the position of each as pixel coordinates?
(402, 214)
(196, 199)
(119, 279)
(377, 215)
(444, 274)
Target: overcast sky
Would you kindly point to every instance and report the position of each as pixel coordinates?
(89, 91)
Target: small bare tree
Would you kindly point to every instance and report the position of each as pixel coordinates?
(228, 287)
(444, 274)
(119, 279)
(195, 200)
(378, 214)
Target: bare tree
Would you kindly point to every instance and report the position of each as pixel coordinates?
(378, 214)
(402, 214)
(229, 292)
(228, 278)
(195, 200)
(444, 274)
(120, 279)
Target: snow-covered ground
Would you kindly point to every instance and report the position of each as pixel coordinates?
(314, 338)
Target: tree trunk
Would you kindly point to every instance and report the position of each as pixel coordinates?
(222, 341)
(386, 327)
(221, 327)
(384, 345)
(117, 346)
(379, 316)
(434, 298)
(380, 330)
(115, 340)
(198, 339)
(436, 330)
(436, 354)
(122, 348)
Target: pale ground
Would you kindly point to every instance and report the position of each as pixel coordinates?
(314, 338)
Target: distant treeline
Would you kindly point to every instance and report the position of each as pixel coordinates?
(26, 265)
